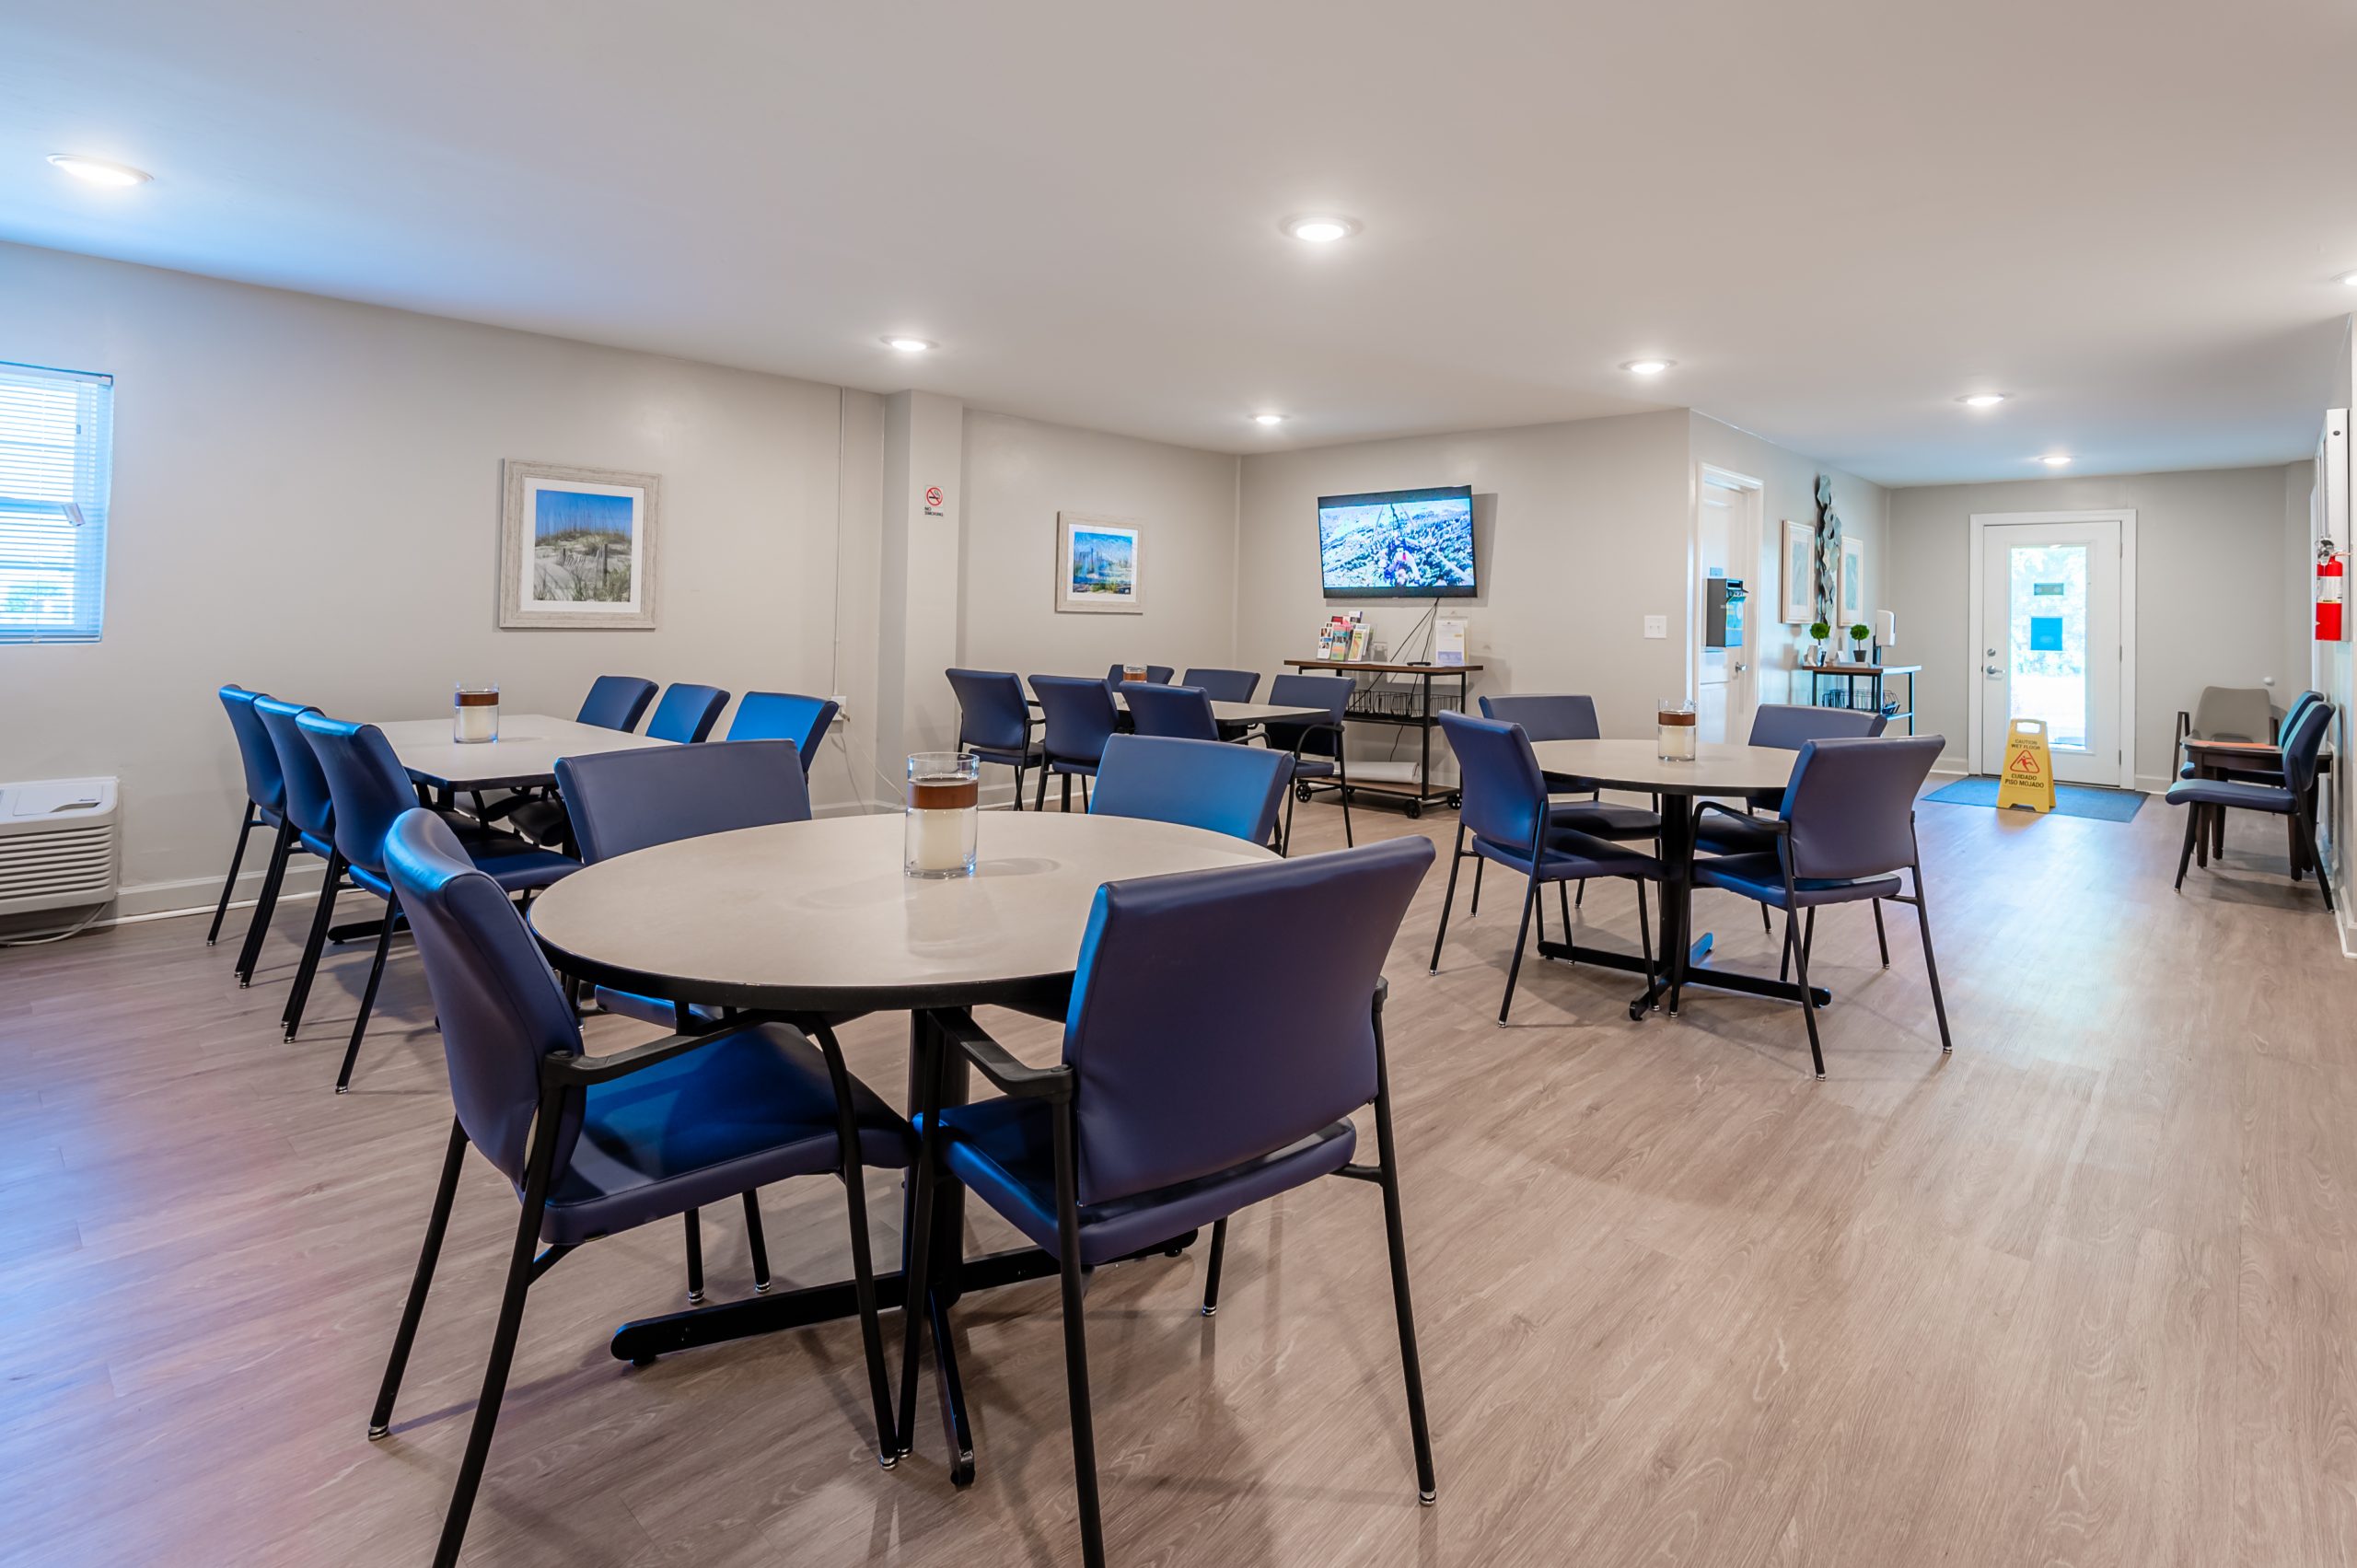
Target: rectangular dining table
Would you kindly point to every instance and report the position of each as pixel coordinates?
(524, 756)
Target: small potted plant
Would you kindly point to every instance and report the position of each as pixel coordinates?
(1819, 630)
(1859, 637)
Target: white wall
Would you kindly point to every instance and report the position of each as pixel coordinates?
(1580, 530)
(1019, 475)
(1788, 482)
(2210, 599)
(307, 498)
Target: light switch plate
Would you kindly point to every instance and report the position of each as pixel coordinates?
(1656, 625)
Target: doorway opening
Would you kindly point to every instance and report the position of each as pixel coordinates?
(1723, 609)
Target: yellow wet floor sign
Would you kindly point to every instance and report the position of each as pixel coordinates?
(2029, 768)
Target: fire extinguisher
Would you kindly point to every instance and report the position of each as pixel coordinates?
(2330, 582)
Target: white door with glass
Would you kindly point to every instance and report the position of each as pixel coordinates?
(2052, 637)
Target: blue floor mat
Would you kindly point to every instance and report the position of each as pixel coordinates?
(2069, 800)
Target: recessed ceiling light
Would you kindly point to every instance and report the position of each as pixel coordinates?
(1268, 418)
(98, 171)
(1647, 366)
(2056, 460)
(1321, 230)
(908, 345)
(1982, 399)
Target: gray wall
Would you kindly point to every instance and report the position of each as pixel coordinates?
(1581, 530)
(1020, 474)
(2211, 567)
(307, 500)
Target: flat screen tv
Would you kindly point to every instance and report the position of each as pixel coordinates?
(1398, 543)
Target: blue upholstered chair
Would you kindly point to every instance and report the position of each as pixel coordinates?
(1316, 745)
(1198, 784)
(598, 1145)
(779, 715)
(1223, 685)
(687, 713)
(1508, 817)
(1846, 831)
(265, 805)
(622, 801)
(1177, 1102)
(1176, 713)
(2290, 796)
(1786, 726)
(371, 790)
(616, 702)
(1160, 674)
(1080, 716)
(310, 816)
(1570, 716)
(995, 722)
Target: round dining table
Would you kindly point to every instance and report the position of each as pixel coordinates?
(816, 921)
(1718, 769)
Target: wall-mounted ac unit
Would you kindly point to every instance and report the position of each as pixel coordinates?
(57, 844)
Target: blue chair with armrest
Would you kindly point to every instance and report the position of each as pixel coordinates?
(994, 721)
(1315, 744)
(2292, 796)
(616, 702)
(687, 713)
(1080, 718)
(1846, 831)
(371, 790)
(1570, 716)
(1176, 713)
(783, 715)
(1177, 1102)
(1198, 784)
(1508, 817)
(599, 1145)
(266, 803)
(623, 801)
(1786, 726)
(1223, 685)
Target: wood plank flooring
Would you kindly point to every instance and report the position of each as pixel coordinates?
(2084, 1294)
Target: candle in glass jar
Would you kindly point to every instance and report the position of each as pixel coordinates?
(474, 713)
(1674, 730)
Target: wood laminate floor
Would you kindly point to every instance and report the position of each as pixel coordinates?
(2084, 1294)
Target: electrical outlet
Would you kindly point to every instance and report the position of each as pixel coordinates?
(843, 709)
(1656, 625)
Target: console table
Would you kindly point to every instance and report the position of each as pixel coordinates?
(1851, 674)
(1417, 712)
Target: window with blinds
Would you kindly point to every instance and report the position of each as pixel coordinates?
(56, 457)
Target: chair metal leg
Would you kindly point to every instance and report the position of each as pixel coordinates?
(917, 1303)
(1284, 836)
(2184, 855)
(852, 1169)
(1766, 924)
(1039, 802)
(1211, 1266)
(520, 1272)
(2308, 850)
(2291, 842)
(380, 1420)
(1931, 967)
(1644, 932)
(1083, 795)
(757, 1244)
(1084, 1436)
(1579, 899)
(313, 945)
(1521, 935)
(246, 826)
(1881, 941)
(1066, 806)
(1018, 786)
(1395, 1234)
(1563, 902)
(1476, 908)
(1808, 935)
(1343, 777)
(367, 1000)
(282, 850)
(1797, 948)
(1454, 860)
(2201, 842)
(694, 1223)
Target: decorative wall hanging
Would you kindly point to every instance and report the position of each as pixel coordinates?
(1099, 565)
(577, 547)
(1829, 549)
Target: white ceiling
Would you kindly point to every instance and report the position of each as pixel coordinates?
(1835, 215)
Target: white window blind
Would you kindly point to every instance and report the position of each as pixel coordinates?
(56, 458)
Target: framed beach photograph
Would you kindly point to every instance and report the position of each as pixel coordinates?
(1795, 606)
(1849, 600)
(578, 547)
(1099, 565)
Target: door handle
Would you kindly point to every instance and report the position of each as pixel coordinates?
(1994, 672)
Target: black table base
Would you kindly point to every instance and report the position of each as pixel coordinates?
(1676, 937)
